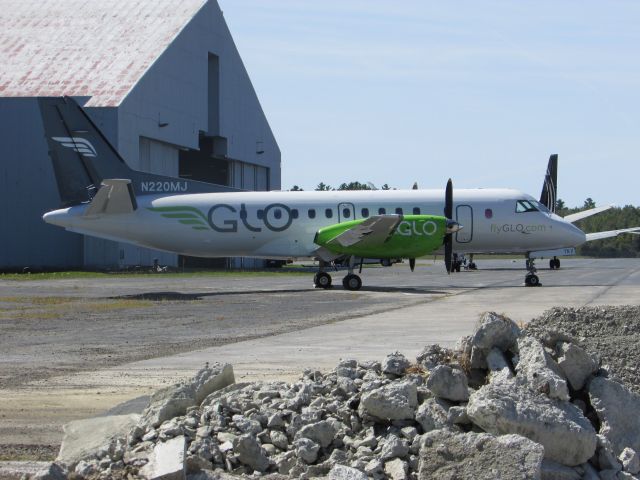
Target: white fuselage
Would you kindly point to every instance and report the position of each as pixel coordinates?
(284, 224)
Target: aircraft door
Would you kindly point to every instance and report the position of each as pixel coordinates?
(464, 216)
(346, 212)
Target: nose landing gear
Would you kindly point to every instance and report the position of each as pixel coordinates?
(531, 279)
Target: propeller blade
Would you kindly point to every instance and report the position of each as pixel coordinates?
(412, 264)
(448, 252)
(448, 200)
(448, 213)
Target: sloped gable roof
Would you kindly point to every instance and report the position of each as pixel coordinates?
(96, 48)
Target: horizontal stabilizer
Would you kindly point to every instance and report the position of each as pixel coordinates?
(114, 197)
(574, 217)
(611, 233)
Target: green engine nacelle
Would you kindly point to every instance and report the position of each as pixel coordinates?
(414, 236)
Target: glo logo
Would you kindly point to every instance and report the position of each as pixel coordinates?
(408, 229)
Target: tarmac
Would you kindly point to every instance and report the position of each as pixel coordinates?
(411, 311)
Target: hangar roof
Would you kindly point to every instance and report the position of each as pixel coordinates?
(85, 47)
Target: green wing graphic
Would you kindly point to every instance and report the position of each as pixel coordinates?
(185, 215)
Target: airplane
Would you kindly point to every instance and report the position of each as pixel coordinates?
(103, 197)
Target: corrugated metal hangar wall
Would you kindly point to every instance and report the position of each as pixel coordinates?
(191, 110)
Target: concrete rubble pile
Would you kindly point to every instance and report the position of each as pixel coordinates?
(502, 404)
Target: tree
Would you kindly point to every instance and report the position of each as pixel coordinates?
(354, 186)
(385, 187)
(296, 188)
(588, 204)
(322, 187)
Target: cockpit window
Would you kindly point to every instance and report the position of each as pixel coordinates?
(525, 206)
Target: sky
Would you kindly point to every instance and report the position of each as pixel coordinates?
(396, 92)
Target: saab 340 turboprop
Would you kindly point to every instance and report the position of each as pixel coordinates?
(103, 197)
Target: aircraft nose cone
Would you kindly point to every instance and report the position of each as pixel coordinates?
(574, 234)
(453, 226)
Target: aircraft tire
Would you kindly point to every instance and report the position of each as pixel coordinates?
(557, 264)
(352, 282)
(322, 280)
(531, 280)
(552, 264)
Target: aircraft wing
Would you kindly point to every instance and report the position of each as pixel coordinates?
(574, 217)
(611, 233)
(114, 196)
(373, 231)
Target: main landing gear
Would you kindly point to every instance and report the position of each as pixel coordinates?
(350, 282)
(554, 263)
(531, 279)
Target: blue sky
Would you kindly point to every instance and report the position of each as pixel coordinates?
(417, 90)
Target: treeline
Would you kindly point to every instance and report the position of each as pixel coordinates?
(626, 245)
(323, 187)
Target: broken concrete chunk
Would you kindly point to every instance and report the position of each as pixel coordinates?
(614, 403)
(167, 462)
(395, 364)
(321, 432)
(448, 383)
(83, 438)
(576, 364)
(630, 461)
(539, 370)
(494, 330)
(508, 407)
(551, 470)
(175, 400)
(250, 453)
(342, 472)
(396, 469)
(432, 415)
(396, 401)
(448, 456)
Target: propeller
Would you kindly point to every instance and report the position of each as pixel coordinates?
(448, 238)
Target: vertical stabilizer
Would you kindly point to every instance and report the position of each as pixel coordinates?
(549, 195)
(82, 158)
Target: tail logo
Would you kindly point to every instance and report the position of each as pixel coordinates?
(77, 144)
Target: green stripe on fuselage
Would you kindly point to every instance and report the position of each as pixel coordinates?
(415, 236)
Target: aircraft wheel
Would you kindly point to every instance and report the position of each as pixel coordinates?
(557, 263)
(352, 282)
(473, 266)
(531, 280)
(322, 280)
(552, 264)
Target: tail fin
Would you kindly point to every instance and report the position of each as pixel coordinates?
(82, 157)
(549, 194)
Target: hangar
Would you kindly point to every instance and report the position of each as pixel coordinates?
(165, 83)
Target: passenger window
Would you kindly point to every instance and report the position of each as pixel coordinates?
(416, 210)
(398, 211)
(382, 211)
(328, 212)
(346, 213)
(294, 213)
(365, 212)
(312, 213)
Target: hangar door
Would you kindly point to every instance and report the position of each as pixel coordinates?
(464, 216)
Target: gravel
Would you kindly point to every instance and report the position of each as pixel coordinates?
(612, 333)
